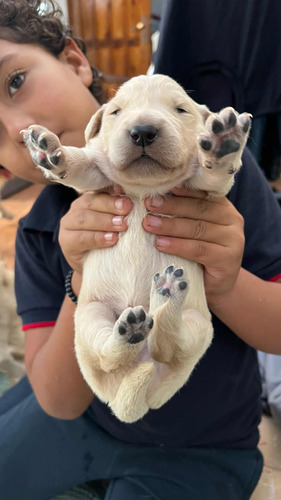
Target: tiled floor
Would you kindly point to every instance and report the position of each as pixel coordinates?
(269, 487)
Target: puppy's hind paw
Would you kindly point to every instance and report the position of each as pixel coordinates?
(133, 325)
(171, 284)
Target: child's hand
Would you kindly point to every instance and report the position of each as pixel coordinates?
(209, 232)
(93, 221)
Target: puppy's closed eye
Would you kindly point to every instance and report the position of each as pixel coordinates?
(116, 111)
(181, 110)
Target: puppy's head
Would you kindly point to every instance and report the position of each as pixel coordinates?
(148, 133)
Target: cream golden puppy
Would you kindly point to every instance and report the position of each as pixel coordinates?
(142, 321)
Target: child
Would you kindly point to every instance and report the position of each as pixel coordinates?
(54, 433)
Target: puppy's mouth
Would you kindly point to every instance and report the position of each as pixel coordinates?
(147, 165)
(145, 156)
(148, 157)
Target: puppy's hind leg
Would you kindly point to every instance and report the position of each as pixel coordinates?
(193, 338)
(168, 293)
(130, 403)
(114, 343)
(179, 337)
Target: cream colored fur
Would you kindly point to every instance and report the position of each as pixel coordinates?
(144, 366)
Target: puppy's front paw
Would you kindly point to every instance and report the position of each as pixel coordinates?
(133, 325)
(46, 151)
(171, 284)
(225, 132)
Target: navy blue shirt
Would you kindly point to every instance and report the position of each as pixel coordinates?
(220, 404)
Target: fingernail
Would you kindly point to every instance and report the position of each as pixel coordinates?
(162, 242)
(156, 201)
(154, 221)
(117, 220)
(108, 236)
(119, 203)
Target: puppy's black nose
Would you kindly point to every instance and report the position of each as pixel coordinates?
(143, 135)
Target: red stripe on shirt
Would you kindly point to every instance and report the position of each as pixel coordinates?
(276, 278)
(38, 325)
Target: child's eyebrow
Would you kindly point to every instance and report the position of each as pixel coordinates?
(6, 59)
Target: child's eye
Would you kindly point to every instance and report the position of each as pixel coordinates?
(15, 81)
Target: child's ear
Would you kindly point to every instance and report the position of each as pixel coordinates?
(78, 62)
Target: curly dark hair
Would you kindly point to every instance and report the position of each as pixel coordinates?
(40, 22)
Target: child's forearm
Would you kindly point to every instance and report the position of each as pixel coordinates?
(252, 309)
(54, 372)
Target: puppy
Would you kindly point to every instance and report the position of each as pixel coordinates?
(142, 321)
(11, 336)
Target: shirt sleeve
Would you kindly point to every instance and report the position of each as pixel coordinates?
(254, 199)
(39, 277)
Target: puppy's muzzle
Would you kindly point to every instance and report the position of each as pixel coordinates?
(143, 135)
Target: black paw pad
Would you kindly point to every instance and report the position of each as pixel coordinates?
(231, 122)
(122, 330)
(55, 159)
(182, 285)
(136, 338)
(165, 292)
(131, 318)
(169, 270)
(178, 273)
(217, 126)
(141, 317)
(156, 277)
(205, 144)
(246, 126)
(227, 147)
(45, 164)
(42, 143)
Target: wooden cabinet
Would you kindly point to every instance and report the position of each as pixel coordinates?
(117, 36)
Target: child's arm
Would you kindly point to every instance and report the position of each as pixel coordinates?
(52, 367)
(211, 232)
(252, 310)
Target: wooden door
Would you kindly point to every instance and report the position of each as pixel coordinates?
(117, 36)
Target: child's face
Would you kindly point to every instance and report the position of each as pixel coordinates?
(36, 87)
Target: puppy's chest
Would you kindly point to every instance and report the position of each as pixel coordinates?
(124, 273)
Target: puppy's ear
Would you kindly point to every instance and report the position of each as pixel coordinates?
(94, 124)
(203, 110)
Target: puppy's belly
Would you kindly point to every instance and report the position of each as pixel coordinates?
(121, 276)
